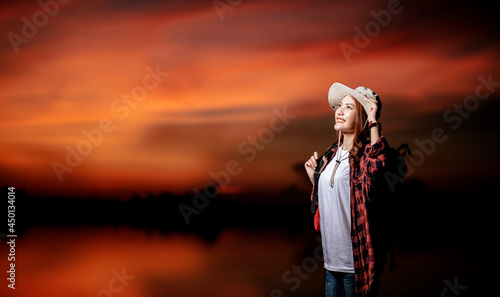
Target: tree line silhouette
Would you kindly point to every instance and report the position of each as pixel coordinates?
(418, 215)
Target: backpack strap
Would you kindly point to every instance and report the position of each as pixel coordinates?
(319, 161)
(406, 149)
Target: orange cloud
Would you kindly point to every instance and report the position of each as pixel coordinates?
(225, 78)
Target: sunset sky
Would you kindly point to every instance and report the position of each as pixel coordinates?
(109, 98)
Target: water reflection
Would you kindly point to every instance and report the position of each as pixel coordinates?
(126, 262)
(110, 261)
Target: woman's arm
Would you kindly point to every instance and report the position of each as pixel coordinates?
(373, 166)
(372, 119)
(374, 134)
(311, 165)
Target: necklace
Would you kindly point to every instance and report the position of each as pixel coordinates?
(339, 159)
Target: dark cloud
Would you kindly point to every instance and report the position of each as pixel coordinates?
(450, 28)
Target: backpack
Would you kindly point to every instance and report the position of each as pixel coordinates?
(390, 191)
(396, 168)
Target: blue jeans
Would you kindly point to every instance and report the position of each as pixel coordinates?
(339, 284)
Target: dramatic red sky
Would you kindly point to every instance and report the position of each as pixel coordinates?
(221, 78)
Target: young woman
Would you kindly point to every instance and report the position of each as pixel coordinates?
(344, 179)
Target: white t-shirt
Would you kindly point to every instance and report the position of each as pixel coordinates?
(335, 215)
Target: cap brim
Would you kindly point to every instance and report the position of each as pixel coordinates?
(338, 91)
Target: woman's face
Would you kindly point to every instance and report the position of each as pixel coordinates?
(345, 115)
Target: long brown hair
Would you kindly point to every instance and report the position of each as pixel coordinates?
(361, 137)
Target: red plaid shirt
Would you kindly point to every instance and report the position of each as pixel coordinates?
(362, 180)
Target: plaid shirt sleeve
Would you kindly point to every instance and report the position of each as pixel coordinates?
(362, 180)
(372, 163)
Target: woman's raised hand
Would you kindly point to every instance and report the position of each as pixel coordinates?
(311, 165)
